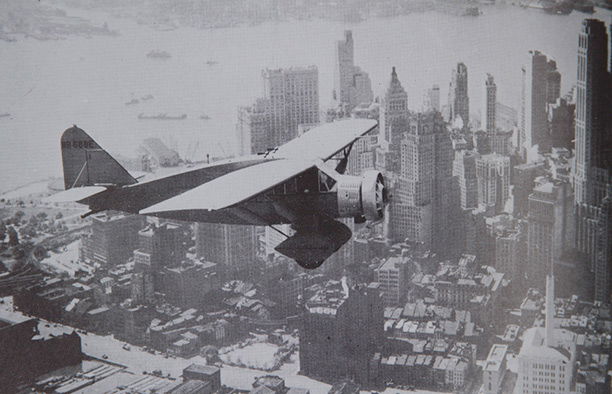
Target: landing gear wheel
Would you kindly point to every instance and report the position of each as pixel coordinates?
(310, 265)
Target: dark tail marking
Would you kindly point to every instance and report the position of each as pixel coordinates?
(86, 163)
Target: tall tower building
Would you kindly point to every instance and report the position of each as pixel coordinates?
(551, 224)
(490, 104)
(424, 207)
(561, 122)
(253, 128)
(458, 100)
(352, 86)
(361, 88)
(163, 243)
(234, 246)
(345, 65)
(294, 99)
(541, 86)
(112, 239)
(592, 114)
(431, 99)
(464, 169)
(341, 330)
(523, 180)
(159, 247)
(493, 172)
(603, 254)
(394, 106)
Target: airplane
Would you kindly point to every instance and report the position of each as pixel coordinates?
(296, 183)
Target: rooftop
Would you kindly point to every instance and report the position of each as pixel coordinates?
(495, 358)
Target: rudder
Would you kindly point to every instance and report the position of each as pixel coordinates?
(86, 163)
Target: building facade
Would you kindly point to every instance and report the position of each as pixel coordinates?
(540, 86)
(293, 96)
(493, 172)
(458, 99)
(234, 246)
(490, 105)
(551, 225)
(342, 328)
(112, 239)
(394, 107)
(425, 206)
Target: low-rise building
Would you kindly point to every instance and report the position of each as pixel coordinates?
(494, 369)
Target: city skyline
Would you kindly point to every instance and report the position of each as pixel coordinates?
(488, 271)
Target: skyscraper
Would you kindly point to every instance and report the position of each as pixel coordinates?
(394, 106)
(493, 172)
(593, 162)
(541, 86)
(352, 86)
(294, 99)
(345, 65)
(158, 247)
(464, 169)
(458, 100)
(112, 239)
(431, 99)
(603, 253)
(561, 123)
(235, 246)
(592, 114)
(291, 98)
(253, 128)
(490, 105)
(551, 223)
(342, 328)
(423, 208)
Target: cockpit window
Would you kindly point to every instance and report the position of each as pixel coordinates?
(326, 183)
(309, 181)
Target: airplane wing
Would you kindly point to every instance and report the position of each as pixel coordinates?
(289, 160)
(75, 194)
(323, 142)
(234, 187)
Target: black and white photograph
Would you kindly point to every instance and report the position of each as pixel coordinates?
(306, 196)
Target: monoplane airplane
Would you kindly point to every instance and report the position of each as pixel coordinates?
(301, 183)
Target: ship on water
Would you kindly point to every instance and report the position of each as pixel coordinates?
(158, 55)
(163, 116)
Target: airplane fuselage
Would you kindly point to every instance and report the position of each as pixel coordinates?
(282, 204)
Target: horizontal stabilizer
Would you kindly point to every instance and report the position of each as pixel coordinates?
(75, 194)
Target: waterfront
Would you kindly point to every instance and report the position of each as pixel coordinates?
(48, 85)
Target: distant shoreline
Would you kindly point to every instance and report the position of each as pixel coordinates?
(14, 189)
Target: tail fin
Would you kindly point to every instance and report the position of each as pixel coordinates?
(86, 163)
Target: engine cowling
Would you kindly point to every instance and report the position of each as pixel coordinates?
(364, 195)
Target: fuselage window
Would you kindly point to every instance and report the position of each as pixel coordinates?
(326, 183)
(308, 181)
(290, 186)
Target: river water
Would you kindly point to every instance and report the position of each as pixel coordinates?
(49, 85)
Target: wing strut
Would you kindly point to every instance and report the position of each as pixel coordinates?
(343, 162)
(278, 231)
